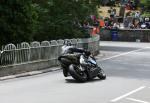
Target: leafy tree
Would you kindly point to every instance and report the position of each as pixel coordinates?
(145, 4)
(16, 21)
(28, 20)
(57, 17)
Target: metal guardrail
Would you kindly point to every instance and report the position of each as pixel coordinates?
(46, 50)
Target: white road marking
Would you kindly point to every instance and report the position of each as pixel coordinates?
(123, 96)
(139, 64)
(136, 100)
(122, 54)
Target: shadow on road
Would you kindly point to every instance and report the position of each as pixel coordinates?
(74, 81)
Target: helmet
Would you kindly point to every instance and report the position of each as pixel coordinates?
(68, 43)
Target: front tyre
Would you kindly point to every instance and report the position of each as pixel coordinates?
(101, 74)
(77, 74)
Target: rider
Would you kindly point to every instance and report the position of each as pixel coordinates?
(69, 49)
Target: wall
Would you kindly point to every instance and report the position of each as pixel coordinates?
(142, 35)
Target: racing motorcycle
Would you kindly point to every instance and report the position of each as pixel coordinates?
(81, 67)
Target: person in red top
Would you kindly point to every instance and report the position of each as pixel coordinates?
(94, 31)
(101, 24)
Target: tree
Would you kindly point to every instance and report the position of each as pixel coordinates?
(57, 17)
(28, 20)
(145, 5)
(16, 21)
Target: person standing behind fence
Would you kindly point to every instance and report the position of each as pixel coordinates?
(94, 31)
(101, 24)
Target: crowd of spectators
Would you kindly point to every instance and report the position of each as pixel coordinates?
(128, 23)
(132, 20)
(138, 23)
(131, 4)
(95, 26)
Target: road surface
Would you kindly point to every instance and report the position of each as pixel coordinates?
(126, 64)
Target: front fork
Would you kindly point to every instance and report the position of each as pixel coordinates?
(93, 72)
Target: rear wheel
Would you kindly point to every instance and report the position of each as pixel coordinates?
(77, 74)
(65, 72)
(101, 74)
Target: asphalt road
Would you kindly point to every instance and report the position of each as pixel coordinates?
(126, 64)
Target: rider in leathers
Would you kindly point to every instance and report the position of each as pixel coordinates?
(70, 50)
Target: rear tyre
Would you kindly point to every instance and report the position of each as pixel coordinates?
(65, 72)
(77, 74)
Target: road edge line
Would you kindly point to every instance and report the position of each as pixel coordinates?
(127, 94)
(122, 54)
(136, 100)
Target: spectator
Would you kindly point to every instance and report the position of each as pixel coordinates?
(101, 22)
(115, 26)
(94, 31)
(131, 25)
(126, 23)
(143, 26)
(137, 15)
(112, 12)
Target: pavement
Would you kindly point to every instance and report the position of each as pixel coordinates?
(52, 69)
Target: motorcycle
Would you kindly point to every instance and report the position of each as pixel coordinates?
(81, 67)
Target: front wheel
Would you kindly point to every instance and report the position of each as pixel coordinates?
(101, 74)
(77, 74)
